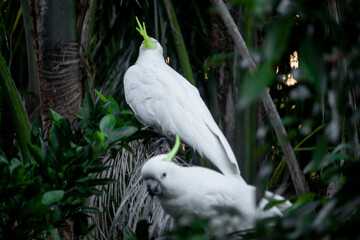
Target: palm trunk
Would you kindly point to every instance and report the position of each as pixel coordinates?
(57, 56)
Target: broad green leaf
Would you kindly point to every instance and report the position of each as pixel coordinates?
(56, 138)
(52, 196)
(99, 138)
(125, 131)
(107, 123)
(55, 117)
(119, 133)
(87, 108)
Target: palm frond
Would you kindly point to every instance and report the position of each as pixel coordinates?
(127, 202)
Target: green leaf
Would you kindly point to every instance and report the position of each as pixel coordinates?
(37, 153)
(99, 138)
(322, 159)
(56, 139)
(14, 164)
(56, 118)
(274, 203)
(114, 107)
(121, 132)
(86, 109)
(126, 112)
(54, 234)
(36, 128)
(127, 147)
(277, 38)
(102, 97)
(107, 123)
(302, 200)
(254, 85)
(128, 234)
(52, 196)
(330, 174)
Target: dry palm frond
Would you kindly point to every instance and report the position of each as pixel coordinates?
(126, 202)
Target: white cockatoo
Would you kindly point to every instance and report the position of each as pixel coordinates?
(206, 194)
(163, 99)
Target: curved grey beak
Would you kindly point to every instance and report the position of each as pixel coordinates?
(153, 186)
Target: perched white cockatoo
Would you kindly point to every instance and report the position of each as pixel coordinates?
(206, 194)
(163, 99)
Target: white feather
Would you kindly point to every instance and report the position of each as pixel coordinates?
(188, 191)
(163, 99)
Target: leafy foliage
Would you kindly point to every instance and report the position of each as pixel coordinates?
(37, 198)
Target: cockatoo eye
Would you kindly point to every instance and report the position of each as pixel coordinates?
(163, 175)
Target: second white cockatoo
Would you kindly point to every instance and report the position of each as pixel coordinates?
(206, 194)
(163, 99)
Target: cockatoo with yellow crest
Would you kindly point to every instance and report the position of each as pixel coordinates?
(204, 193)
(163, 99)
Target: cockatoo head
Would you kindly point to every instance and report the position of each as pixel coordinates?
(149, 43)
(161, 174)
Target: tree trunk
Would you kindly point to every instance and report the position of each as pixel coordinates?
(57, 56)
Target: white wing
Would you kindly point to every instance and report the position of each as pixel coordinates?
(163, 99)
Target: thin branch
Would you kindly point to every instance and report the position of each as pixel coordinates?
(297, 176)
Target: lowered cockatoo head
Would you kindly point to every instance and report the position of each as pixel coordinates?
(149, 43)
(159, 173)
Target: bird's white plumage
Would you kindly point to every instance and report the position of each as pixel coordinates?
(206, 194)
(163, 99)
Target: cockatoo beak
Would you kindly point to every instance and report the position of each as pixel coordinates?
(153, 186)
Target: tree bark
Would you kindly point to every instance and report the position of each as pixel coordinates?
(297, 176)
(57, 57)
